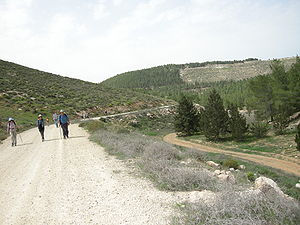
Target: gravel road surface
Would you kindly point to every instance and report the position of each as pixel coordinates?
(74, 181)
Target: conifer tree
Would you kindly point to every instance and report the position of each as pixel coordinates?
(237, 123)
(297, 138)
(187, 118)
(281, 119)
(215, 117)
(262, 97)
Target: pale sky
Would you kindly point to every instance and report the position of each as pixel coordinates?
(96, 39)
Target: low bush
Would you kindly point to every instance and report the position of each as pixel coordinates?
(231, 163)
(251, 176)
(93, 125)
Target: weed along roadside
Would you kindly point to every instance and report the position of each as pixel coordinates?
(207, 188)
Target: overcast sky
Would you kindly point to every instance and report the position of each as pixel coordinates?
(96, 39)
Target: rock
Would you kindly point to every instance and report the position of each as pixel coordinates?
(231, 169)
(212, 164)
(242, 167)
(217, 172)
(297, 185)
(267, 185)
(206, 196)
(228, 173)
(223, 177)
(188, 161)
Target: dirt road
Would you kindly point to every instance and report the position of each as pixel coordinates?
(290, 167)
(73, 181)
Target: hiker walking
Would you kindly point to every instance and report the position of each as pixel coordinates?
(12, 130)
(55, 119)
(64, 123)
(41, 126)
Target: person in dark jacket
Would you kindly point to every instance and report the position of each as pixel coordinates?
(64, 123)
(41, 126)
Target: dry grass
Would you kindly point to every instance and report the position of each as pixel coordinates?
(176, 169)
(159, 161)
(233, 208)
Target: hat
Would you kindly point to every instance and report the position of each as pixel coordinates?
(40, 115)
(61, 110)
(10, 119)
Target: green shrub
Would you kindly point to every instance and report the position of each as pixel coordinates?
(259, 129)
(231, 163)
(251, 176)
(93, 125)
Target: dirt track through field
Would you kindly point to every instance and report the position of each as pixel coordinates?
(290, 167)
(74, 181)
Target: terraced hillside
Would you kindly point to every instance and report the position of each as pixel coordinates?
(227, 72)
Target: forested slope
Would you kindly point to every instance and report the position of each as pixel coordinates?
(193, 73)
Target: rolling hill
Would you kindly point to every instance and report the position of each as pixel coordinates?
(191, 73)
(25, 92)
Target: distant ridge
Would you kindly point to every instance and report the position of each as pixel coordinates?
(206, 72)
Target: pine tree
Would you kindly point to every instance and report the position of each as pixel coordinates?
(281, 119)
(293, 99)
(262, 97)
(297, 138)
(237, 123)
(215, 117)
(187, 118)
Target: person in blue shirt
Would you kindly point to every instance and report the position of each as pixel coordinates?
(41, 126)
(64, 123)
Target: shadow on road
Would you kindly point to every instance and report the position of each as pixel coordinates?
(23, 144)
(54, 139)
(76, 137)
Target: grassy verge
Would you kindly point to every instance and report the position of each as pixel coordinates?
(282, 144)
(155, 126)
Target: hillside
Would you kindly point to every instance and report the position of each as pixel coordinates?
(227, 72)
(147, 78)
(25, 92)
(181, 74)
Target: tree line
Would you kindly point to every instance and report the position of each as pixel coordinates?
(212, 120)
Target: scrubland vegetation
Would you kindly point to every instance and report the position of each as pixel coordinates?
(173, 168)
